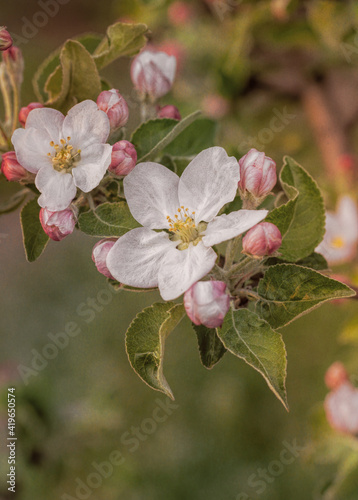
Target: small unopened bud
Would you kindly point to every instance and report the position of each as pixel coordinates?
(12, 169)
(180, 13)
(58, 225)
(206, 303)
(15, 62)
(169, 111)
(99, 255)
(257, 174)
(124, 158)
(5, 39)
(336, 375)
(341, 408)
(153, 73)
(115, 106)
(263, 239)
(24, 112)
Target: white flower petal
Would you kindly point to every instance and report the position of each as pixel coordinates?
(152, 194)
(225, 227)
(32, 147)
(93, 165)
(209, 181)
(135, 258)
(86, 125)
(180, 269)
(57, 188)
(47, 119)
(347, 212)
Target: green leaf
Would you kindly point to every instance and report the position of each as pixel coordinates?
(35, 238)
(145, 339)
(154, 136)
(211, 348)
(14, 202)
(109, 219)
(195, 138)
(76, 80)
(122, 39)
(314, 261)
(288, 291)
(301, 220)
(46, 68)
(250, 338)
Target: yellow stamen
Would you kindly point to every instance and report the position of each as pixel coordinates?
(337, 242)
(64, 160)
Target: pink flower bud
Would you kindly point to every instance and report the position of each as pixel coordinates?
(115, 106)
(5, 39)
(13, 57)
(336, 375)
(153, 73)
(341, 408)
(169, 111)
(24, 112)
(263, 239)
(206, 303)
(124, 158)
(257, 173)
(99, 255)
(58, 225)
(12, 169)
(176, 49)
(180, 13)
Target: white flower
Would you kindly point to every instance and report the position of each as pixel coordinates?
(340, 240)
(186, 210)
(65, 153)
(153, 73)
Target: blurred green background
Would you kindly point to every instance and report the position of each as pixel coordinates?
(241, 62)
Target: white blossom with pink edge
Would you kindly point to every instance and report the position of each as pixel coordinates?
(153, 73)
(341, 238)
(100, 253)
(65, 153)
(341, 408)
(206, 303)
(185, 209)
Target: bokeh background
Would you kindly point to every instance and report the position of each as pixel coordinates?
(243, 63)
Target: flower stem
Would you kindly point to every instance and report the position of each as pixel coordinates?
(5, 90)
(231, 250)
(90, 201)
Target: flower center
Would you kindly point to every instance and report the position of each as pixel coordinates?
(337, 242)
(64, 158)
(184, 229)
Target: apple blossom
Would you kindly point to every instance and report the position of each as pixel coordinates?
(65, 153)
(257, 174)
(169, 111)
(124, 158)
(185, 209)
(341, 238)
(58, 225)
(12, 169)
(115, 107)
(5, 39)
(341, 408)
(263, 239)
(153, 73)
(206, 303)
(24, 112)
(99, 255)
